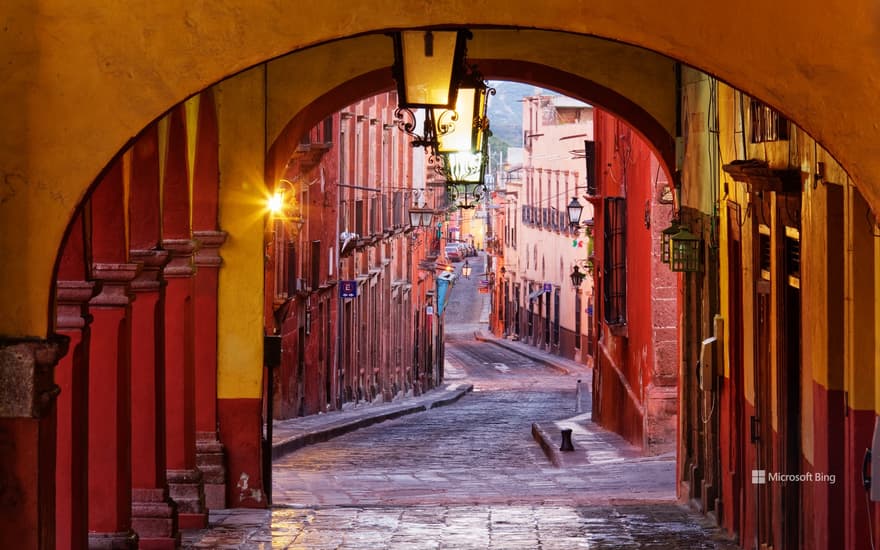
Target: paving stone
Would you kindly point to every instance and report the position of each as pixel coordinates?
(468, 474)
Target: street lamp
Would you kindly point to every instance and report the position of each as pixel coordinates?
(431, 73)
(577, 277)
(281, 204)
(665, 240)
(466, 270)
(574, 209)
(428, 66)
(420, 217)
(684, 254)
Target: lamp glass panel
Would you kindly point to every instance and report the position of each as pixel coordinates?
(414, 217)
(463, 167)
(426, 218)
(428, 79)
(458, 135)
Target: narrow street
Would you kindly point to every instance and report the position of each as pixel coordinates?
(470, 475)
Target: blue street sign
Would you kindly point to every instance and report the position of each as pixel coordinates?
(348, 289)
(548, 287)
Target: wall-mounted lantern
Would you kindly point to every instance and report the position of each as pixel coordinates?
(685, 251)
(574, 209)
(466, 270)
(420, 217)
(577, 277)
(665, 238)
(282, 204)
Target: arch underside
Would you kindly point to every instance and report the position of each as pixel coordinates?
(81, 86)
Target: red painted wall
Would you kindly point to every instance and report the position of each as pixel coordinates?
(625, 387)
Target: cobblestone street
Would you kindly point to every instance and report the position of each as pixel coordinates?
(469, 474)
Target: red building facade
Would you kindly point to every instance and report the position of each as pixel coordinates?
(635, 377)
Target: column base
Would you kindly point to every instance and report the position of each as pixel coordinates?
(154, 518)
(210, 460)
(113, 541)
(186, 490)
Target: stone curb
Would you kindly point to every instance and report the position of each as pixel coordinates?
(547, 445)
(501, 343)
(318, 435)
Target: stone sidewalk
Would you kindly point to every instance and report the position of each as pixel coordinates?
(592, 444)
(294, 433)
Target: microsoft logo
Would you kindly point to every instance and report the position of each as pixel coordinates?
(759, 477)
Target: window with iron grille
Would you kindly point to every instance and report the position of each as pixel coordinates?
(374, 215)
(327, 130)
(359, 217)
(397, 206)
(766, 124)
(615, 261)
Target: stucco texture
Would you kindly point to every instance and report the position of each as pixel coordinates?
(81, 79)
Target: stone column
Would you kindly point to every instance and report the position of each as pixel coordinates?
(27, 441)
(154, 515)
(110, 408)
(209, 451)
(72, 377)
(185, 480)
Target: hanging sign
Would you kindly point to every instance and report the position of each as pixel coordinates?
(348, 289)
(429, 310)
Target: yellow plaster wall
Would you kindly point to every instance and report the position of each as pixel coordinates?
(243, 194)
(82, 78)
(191, 108)
(859, 296)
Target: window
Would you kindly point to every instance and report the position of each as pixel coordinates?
(615, 261)
(359, 217)
(578, 306)
(766, 124)
(316, 265)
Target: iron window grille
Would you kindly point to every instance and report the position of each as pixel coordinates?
(615, 261)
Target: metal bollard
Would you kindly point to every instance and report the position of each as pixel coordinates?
(577, 406)
(566, 441)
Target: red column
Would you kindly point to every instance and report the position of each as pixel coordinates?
(109, 427)
(184, 478)
(72, 377)
(154, 517)
(27, 442)
(110, 409)
(209, 451)
(72, 295)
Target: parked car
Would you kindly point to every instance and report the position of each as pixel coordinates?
(453, 253)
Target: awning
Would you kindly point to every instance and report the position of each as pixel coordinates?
(536, 293)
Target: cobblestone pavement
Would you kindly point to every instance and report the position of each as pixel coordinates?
(468, 475)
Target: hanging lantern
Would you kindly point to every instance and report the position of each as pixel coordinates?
(577, 277)
(465, 173)
(665, 237)
(685, 251)
(428, 66)
(466, 127)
